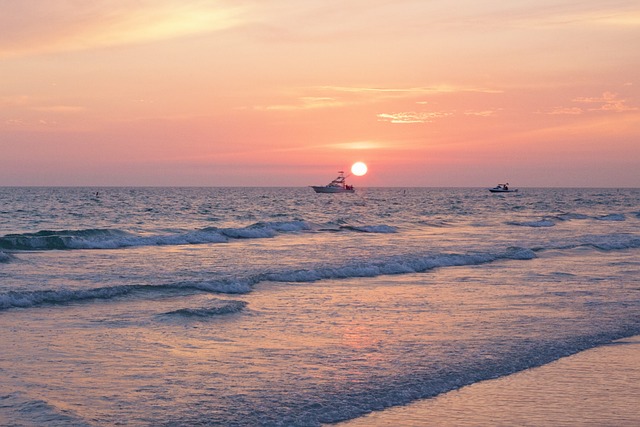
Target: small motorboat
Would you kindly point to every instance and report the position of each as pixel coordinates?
(338, 185)
(503, 188)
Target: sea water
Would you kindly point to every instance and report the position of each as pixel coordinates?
(282, 307)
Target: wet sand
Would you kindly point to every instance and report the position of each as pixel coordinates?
(597, 387)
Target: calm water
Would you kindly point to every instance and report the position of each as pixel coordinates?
(264, 306)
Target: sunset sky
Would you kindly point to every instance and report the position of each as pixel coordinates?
(287, 92)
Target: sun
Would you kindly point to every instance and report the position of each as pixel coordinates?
(358, 168)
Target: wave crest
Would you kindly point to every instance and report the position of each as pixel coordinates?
(612, 217)
(28, 299)
(113, 239)
(371, 228)
(25, 299)
(571, 216)
(412, 263)
(399, 265)
(220, 307)
(62, 239)
(540, 223)
(5, 257)
(613, 242)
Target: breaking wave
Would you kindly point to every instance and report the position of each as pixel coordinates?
(393, 265)
(4, 257)
(24, 299)
(371, 228)
(21, 410)
(220, 307)
(398, 265)
(240, 285)
(612, 217)
(612, 242)
(550, 222)
(572, 216)
(540, 223)
(114, 239)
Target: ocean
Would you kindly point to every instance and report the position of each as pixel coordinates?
(282, 307)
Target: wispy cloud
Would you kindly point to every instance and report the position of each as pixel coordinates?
(430, 116)
(351, 145)
(341, 96)
(303, 103)
(481, 113)
(14, 122)
(409, 91)
(28, 103)
(609, 101)
(573, 111)
(41, 26)
(60, 109)
(412, 116)
(601, 16)
(14, 101)
(357, 145)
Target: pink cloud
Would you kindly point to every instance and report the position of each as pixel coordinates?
(609, 101)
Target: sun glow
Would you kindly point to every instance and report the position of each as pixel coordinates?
(358, 168)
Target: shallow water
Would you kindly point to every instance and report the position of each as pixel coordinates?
(169, 306)
(598, 387)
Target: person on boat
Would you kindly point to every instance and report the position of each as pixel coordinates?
(506, 186)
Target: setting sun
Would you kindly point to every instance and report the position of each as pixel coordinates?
(358, 168)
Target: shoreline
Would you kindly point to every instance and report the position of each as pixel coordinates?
(598, 386)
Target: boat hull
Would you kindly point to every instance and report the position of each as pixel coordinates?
(323, 189)
(496, 190)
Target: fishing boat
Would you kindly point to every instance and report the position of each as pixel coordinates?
(503, 188)
(338, 185)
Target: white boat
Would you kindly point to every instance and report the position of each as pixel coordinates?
(338, 185)
(503, 188)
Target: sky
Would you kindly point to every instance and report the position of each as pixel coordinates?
(428, 93)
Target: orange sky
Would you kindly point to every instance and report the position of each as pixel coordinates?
(284, 92)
